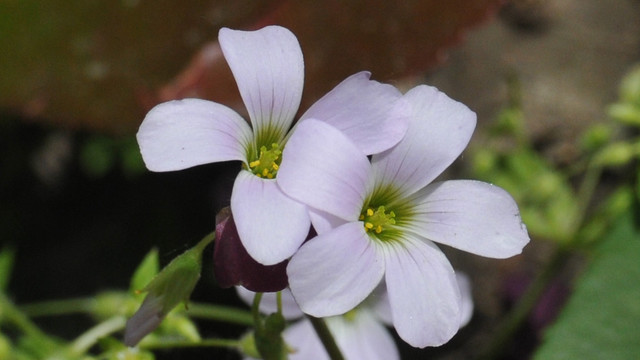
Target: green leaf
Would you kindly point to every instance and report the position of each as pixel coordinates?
(146, 271)
(602, 318)
(6, 264)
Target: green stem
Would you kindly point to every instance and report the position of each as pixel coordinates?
(518, 314)
(585, 194)
(85, 341)
(220, 313)
(172, 344)
(279, 301)
(255, 310)
(327, 339)
(12, 314)
(87, 306)
(59, 307)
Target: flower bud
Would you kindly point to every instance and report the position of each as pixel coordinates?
(615, 154)
(5, 347)
(171, 286)
(248, 346)
(232, 264)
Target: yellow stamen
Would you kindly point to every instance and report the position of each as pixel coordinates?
(377, 220)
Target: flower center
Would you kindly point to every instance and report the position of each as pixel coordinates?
(267, 163)
(377, 220)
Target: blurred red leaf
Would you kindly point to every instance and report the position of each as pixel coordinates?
(102, 64)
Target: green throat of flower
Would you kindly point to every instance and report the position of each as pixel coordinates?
(378, 220)
(267, 163)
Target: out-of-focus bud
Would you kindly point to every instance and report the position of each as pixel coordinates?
(595, 137)
(630, 86)
(5, 347)
(174, 284)
(484, 161)
(616, 154)
(248, 346)
(625, 113)
(269, 341)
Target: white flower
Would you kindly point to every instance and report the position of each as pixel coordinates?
(268, 67)
(360, 334)
(380, 218)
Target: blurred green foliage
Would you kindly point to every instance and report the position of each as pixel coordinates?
(602, 318)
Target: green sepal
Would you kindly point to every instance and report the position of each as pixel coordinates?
(247, 346)
(268, 338)
(145, 272)
(175, 283)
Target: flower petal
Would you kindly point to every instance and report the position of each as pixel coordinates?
(466, 311)
(424, 295)
(180, 134)
(323, 221)
(269, 304)
(232, 265)
(304, 341)
(269, 70)
(471, 216)
(379, 302)
(439, 129)
(367, 111)
(363, 337)
(270, 224)
(323, 169)
(333, 272)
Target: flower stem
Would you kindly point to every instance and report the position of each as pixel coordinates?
(59, 307)
(255, 310)
(327, 339)
(85, 341)
(87, 306)
(220, 313)
(518, 314)
(172, 344)
(12, 314)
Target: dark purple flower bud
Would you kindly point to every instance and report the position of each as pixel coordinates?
(232, 265)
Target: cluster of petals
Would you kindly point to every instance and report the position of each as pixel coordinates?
(360, 334)
(379, 218)
(268, 67)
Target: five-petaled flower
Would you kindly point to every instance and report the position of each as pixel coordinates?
(269, 71)
(380, 218)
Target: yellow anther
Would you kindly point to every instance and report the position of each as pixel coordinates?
(268, 162)
(377, 220)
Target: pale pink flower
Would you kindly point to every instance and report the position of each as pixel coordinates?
(381, 218)
(269, 70)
